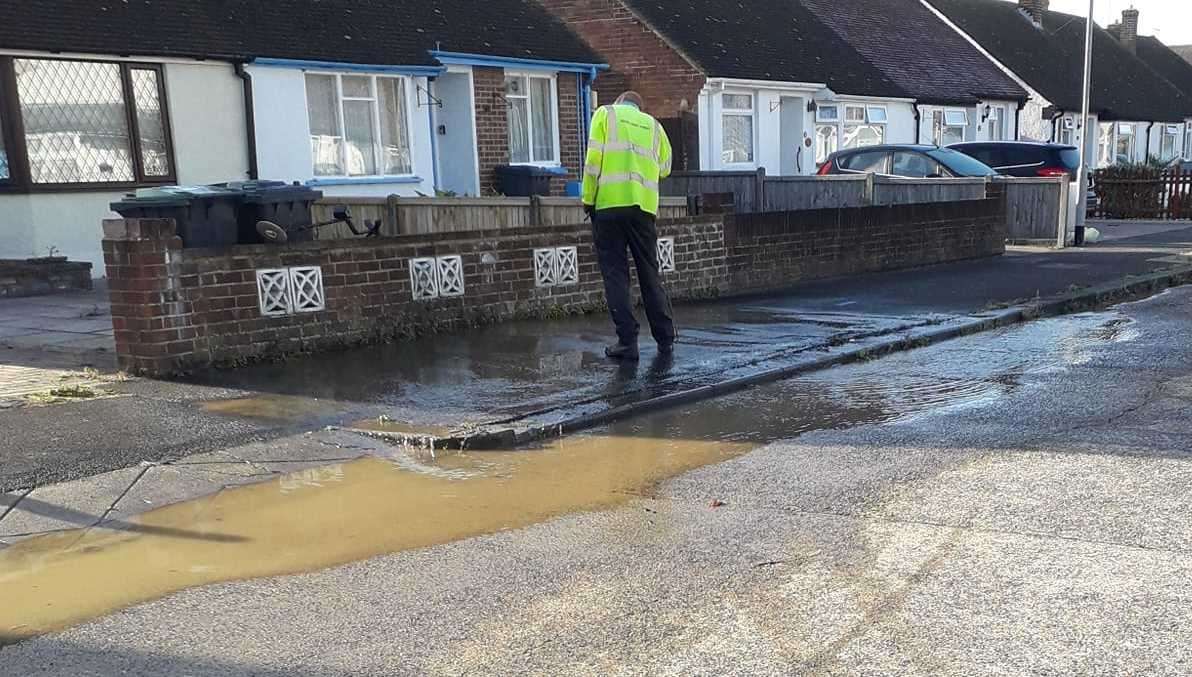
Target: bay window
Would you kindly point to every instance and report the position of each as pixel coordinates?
(864, 126)
(1125, 144)
(1169, 145)
(827, 121)
(533, 125)
(948, 126)
(737, 120)
(359, 125)
(82, 123)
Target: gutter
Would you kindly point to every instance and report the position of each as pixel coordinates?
(250, 121)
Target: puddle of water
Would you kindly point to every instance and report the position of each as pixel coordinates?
(272, 407)
(329, 516)
(326, 517)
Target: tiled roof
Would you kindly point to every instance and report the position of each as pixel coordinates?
(1167, 63)
(390, 32)
(778, 40)
(1050, 59)
(917, 50)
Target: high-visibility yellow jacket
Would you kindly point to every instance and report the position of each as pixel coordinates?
(628, 153)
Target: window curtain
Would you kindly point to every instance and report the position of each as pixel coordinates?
(543, 124)
(325, 141)
(395, 134)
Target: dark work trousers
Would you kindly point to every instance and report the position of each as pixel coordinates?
(615, 231)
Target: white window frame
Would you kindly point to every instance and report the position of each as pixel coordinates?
(1120, 131)
(866, 121)
(1106, 144)
(751, 113)
(944, 126)
(821, 117)
(1170, 132)
(555, 161)
(1067, 133)
(996, 120)
(1188, 140)
(376, 101)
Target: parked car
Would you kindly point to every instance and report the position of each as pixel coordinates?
(912, 161)
(1030, 159)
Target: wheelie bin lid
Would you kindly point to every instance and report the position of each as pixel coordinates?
(171, 196)
(256, 192)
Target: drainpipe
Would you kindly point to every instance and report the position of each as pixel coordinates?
(918, 124)
(1018, 121)
(434, 140)
(1054, 120)
(250, 121)
(1148, 142)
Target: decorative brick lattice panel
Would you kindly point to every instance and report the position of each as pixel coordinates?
(545, 268)
(424, 279)
(273, 291)
(566, 266)
(306, 289)
(451, 276)
(666, 254)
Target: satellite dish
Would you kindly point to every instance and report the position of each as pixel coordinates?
(271, 232)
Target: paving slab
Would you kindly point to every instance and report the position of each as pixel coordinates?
(60, 507)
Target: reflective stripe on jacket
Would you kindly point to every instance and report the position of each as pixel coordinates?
(628, 154)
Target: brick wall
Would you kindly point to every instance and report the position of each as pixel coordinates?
(764, 248)
(638, 58)
(37, 277)
(174, 309)
(492, 128)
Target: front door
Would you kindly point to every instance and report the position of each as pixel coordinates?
(795, 157)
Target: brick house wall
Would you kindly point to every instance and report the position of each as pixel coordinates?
(175, 309)
(641, 60)
(492, 128)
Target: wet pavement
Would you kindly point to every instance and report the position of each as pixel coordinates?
(543, 374)
(870, 442)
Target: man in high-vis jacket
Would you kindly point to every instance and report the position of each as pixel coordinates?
(628, 154)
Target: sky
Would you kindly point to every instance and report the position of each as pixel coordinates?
(1168, 20)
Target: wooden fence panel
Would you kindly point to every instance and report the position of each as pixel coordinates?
(1036, 209)
(420, 216)
(1161, 195)
(783, 193)
(889, 190)
(746, 187)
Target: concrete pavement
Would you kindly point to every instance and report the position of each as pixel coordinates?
(1008, 503)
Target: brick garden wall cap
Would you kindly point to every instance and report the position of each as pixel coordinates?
(139, 229)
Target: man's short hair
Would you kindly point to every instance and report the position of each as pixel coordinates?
(633, 98)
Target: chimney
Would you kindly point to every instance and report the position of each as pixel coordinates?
(1034, 10)
(1128, 33)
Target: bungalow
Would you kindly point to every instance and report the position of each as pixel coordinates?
(353, 97)
(780, 86)
(1166, 62)
(1044, 50)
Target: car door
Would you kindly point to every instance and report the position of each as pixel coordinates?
(917, 166)
(1018, 161)
(867, 162)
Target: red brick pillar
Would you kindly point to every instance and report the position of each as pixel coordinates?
(150, 315)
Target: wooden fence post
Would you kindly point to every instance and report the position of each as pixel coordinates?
(391, 214)
(535, 210)
(867, 200)
(760, 190)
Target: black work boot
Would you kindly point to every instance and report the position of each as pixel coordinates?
(622, 352)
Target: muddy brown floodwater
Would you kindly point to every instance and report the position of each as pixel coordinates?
(342, 513)
(324, 517)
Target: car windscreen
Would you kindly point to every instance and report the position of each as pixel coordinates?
(961, 164)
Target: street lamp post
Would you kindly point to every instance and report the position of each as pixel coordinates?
(1082, 182)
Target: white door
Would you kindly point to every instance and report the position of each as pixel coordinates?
(795, 157)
